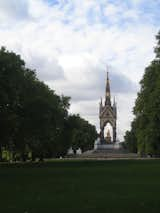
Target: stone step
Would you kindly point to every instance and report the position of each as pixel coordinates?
(109, 155)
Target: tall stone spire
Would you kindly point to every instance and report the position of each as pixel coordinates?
(108, 95)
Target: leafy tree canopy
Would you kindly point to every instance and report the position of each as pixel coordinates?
(33, 117)
(147, 109)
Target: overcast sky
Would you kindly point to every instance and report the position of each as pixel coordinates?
(70, 43)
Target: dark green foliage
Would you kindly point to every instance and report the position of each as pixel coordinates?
(157, 49)
(81, 186)
(130, 139)
(147, 108)
(32, 117)
(82, 133)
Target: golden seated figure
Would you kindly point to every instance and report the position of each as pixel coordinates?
(108, 137)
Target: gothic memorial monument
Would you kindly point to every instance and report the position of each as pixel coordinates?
(107, 115)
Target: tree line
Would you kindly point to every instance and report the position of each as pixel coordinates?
(144, 136)
(33, 118)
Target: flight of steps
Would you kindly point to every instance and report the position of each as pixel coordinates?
(110, 154)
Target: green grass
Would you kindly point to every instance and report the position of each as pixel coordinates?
(81, 186)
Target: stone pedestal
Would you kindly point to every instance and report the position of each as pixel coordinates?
(112, 146)
(102, 145)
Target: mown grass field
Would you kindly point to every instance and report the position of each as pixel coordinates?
(81, 186)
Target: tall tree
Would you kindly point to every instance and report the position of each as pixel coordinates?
(33, 117)
(31, 113)
(147, 108)
(11, 75)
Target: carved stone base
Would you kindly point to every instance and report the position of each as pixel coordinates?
(112, 146)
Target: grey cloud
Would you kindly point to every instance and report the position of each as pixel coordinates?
(46, 69)
(82, 94)
(95, 88)
(121, 84)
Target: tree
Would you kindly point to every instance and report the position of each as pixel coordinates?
(130, 139)
(147, 108)
(82, 134)
(33, 118)
(32, 115)
(11, 66)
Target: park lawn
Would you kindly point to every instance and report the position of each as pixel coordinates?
(81, 186)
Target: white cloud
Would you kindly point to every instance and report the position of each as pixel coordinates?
(12, 10)
(70, 44)
(111, 10)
